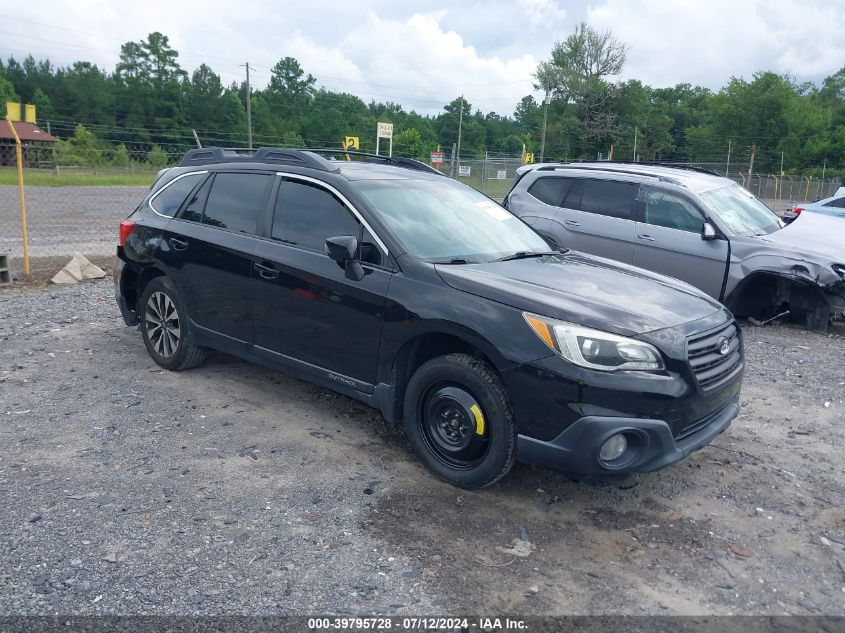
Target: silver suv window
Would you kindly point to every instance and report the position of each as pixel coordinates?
(672, 211)
(550, 189)
(608, 197)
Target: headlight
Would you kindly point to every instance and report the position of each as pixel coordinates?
(595, 349)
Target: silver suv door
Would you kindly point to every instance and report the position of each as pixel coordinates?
(668, 241)
(597, 217)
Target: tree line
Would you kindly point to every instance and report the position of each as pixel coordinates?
(145, 108)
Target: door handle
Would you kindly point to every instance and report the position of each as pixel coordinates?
(266, 272)
(178, 244)
(647, 238)
(571, 223)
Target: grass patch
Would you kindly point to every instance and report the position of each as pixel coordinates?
(78, 176)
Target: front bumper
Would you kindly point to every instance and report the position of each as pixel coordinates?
(652, 445)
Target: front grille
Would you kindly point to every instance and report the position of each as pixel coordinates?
(712, 368)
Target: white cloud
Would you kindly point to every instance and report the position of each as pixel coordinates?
(424, 54)
(675, 41)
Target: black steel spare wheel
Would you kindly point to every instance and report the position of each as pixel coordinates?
(453, 426)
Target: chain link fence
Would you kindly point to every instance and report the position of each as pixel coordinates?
(64, 217)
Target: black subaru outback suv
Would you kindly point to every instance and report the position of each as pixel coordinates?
(383, 280)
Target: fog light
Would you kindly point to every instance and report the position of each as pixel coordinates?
(613, 448)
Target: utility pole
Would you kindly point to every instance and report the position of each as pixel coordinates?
(636, 130)
(248, 109)
(728, 164)
(545, 118)
(460, 125)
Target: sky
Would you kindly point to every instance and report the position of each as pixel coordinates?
(424, 54)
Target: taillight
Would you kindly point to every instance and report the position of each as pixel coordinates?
(797, 211)
(126, 228)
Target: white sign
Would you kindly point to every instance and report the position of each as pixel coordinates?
(465, 170)
(385, 130)
(501, 174)
(436, 158)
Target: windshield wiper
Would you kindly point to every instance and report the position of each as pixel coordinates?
(524, 255)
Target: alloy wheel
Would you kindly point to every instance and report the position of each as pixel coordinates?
(162, 324)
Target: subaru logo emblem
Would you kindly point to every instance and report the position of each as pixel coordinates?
(724, 346)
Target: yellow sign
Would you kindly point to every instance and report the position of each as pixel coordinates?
(17, 112)
(528, 158)
(351, 142)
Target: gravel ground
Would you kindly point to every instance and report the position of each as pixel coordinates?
(234, 489)
(62, 220)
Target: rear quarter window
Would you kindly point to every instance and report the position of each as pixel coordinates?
(550, 189)
(167, 200)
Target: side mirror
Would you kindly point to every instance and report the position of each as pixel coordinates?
(344, 250)
(708, 232)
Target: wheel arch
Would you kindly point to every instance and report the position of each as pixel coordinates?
(428, 344)
(135, 280)
(763, 290)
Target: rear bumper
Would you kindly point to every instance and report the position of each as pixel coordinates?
(576, 449)
(129, 316)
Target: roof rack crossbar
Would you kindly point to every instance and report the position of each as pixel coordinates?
(399, 161)
(274, 155)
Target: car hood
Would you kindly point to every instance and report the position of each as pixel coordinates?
(812, 233)
(586, 290)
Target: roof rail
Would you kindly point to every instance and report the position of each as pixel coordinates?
(656, 164)
(367, 157)
(602, 168)
(273, 155)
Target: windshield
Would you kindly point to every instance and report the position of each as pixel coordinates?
(741, 212)
(442, 220)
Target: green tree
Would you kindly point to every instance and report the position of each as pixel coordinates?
(44, 110)
(7, 93)
(409, 142)
(289, 88)
(579, 72)
(120, 156)
(157, 157)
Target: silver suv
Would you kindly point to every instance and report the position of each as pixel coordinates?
(693, 225)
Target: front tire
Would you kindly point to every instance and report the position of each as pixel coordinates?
(459, 420)
(163, 323)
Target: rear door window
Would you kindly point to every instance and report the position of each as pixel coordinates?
(550, 189)
(306, 215)
(236, 202)
(839, 202)
(608, 197)
(168, 200)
